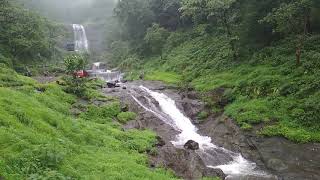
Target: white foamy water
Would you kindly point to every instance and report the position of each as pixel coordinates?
(232, 164)
(80, 38)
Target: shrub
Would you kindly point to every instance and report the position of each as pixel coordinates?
(124, 117)
(203, 115)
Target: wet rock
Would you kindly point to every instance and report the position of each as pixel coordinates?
(212, 172)
(276, 164)
(111, 84)
(186, 164)
(192, 145)
(160, 142)
(75, 112)
(125, 108)
(160, 88)
(253, 177)
(141, 76)
(192, 95)
(131, 125)
(192, 108)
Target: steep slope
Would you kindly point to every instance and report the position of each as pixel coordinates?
(40, 139)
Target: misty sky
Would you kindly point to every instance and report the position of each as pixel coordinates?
(72, 11)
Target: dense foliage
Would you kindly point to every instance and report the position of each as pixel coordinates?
(263, 54)
(25, 37)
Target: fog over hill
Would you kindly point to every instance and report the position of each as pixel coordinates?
(95, 15)
(72, 11)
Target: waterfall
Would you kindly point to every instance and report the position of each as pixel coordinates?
(80, 39)
(107, 76)
(231, 163)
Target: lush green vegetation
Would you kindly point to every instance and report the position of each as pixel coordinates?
(27, 38)
(264, 55)
(124, 117)
(40, 139)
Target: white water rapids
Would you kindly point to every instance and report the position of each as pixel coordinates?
(232, 164)
(80, 38)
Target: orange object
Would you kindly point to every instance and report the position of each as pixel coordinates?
(82, 74)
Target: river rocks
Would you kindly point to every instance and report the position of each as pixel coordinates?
(276, 164)
(212, 172)
(124, 108)
(192, 145)
(111, 85)
(186, 164)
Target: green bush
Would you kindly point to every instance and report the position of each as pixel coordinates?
(5, 60)
(203, 115)
(124, 117)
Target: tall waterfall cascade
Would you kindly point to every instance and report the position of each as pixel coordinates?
(80, 39)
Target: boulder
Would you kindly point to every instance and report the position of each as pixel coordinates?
(192, 145)
(276, 164)
(111, 85)
(160, 142)
(124, 108)
(141, 76)
(213, 172)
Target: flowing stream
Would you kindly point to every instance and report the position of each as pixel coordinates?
(105, 75)
(162, 106)
(80, 39)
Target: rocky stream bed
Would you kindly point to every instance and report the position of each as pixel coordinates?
(277, 157)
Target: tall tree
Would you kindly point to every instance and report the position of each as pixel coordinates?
(221, 12)
(25, 34)
(292, 18)
(134, 17)
(156, 37)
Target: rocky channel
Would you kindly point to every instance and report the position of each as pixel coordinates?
(280, 158)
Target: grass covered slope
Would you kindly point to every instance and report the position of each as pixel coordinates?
(39, 139)
(266, 88)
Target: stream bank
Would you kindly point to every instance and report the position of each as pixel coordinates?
(274, 155)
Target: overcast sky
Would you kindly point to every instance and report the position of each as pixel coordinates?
(72, 11)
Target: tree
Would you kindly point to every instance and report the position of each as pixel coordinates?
(25, 34)
(166, 13)
(221, 12)
(75, 84)
(156, 37)
(292, 19)
(75, 63)
(134, 17)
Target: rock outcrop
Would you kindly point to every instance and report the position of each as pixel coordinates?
(191, 145)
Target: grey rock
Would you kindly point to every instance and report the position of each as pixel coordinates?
(192, 145)
(276, 164)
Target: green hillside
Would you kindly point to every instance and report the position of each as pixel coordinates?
(267, 67)
(41, 139)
